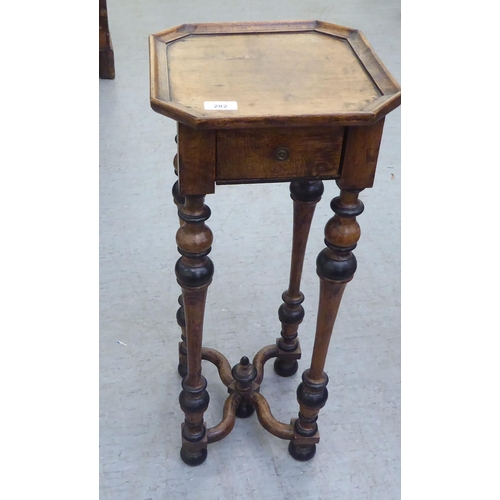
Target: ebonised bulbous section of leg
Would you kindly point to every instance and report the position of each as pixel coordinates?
(182, 370)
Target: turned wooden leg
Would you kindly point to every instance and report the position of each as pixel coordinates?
(194, 271)
(181, 320)
(336, 266)
(305, 196)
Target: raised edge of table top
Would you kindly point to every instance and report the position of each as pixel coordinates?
(297, 73)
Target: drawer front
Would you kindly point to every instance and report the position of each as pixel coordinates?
(254, 155)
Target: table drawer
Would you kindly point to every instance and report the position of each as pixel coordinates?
(256, 155)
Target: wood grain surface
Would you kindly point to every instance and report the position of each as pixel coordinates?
(251, 155)
(300, 73)
(268, 74)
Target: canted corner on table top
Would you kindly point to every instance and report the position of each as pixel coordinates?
(383, 105)
(335, 30)
(372, 63)
(176, 111)
(173, 33)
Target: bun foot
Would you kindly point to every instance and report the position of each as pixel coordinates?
(286, 368)
(195, 458)
(302, 453)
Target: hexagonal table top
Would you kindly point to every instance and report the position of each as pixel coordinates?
(233, 75)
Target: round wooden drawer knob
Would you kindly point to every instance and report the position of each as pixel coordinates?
(281, 153)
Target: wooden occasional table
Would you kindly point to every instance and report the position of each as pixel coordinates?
(300, 102)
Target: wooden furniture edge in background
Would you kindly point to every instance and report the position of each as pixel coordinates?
(106, 54)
